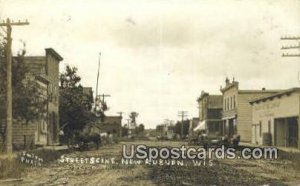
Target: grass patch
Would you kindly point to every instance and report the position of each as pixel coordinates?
(218, 174)
(290, 156)
(11, 168)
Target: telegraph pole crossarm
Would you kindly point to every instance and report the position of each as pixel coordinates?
(104, 96)
(288, 47)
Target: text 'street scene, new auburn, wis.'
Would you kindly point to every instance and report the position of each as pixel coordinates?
(149, 92)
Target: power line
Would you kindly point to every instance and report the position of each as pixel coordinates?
(290, 47)
(103, 96)
(290, 38)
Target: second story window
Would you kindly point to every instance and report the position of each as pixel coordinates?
(227, 103)
(234, 104)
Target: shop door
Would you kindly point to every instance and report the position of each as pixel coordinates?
(280, 132)
(292, 130)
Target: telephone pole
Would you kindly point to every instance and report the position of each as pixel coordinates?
(103, 96)
(291, 47)
(96, 96)
(182, 114)
(293, 38)
(8, 137)
(121, 113)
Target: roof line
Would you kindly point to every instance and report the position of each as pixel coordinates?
(52, 51)
(281, 93)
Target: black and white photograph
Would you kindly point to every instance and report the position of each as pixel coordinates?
(149, 92)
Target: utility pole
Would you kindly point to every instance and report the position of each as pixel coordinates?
(291, 47)
(103, 96)
(121, 113)
(293, 38)
(182, 114)
(129, 127)
(128, 122)
(96, 96)
(8, 24)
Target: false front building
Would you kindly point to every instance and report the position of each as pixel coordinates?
(44, 130)
(237, 111)
(276, 119)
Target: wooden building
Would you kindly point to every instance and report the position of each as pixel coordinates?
(276, 119)
(44, 130)
(237, 111)
(111, 124)
(210, 113)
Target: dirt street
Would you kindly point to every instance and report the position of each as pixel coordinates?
(221, 172)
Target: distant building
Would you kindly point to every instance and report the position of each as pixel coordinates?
(111, 124)
(276, 119)
(88, 97)
(165, 131)
(237, 111)
(210, 113)
(45, 129)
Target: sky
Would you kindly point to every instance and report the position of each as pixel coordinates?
(158, 55)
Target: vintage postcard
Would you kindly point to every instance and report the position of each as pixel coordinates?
(149, 92)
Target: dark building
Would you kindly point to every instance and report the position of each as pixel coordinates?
(210, 113)
(45, 129)
(111, 124)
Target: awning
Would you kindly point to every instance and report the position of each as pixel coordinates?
(200, 126)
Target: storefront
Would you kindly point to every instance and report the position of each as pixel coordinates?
(229, 126)
(276, 119)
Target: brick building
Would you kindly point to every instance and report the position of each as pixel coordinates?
(237, 111)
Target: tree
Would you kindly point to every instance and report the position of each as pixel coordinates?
(140, 130)
(27, 104)
(133, 116)
(186, 125)
(74, 107)
(124, 131)
(160, 129)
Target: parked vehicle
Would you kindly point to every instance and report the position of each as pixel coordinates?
(215, 140)
(83, 140)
